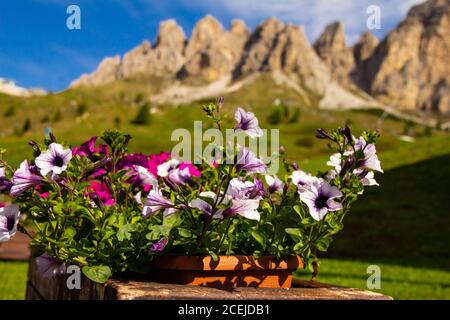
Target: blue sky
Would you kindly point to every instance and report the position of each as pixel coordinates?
(37, 49)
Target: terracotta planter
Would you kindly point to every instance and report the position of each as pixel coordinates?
(228, 271)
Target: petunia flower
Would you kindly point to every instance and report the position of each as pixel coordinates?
(99, 190)
(302, 179)
(319, 197)
(155, 201)
(48, 267)
(177, 172)
(165, 168)
(247, 161)
(23, 179)
(248, 208)
(367, 178)
(131, 160)
(193, 171)
(140, 176)
(370, 160)
(155, 160)
(239, 189)
(274, 183)
(54, 160)
(247, 122)
(205, 206)
(159, 246)
(5, 184)
(88, 149)
(9, 218)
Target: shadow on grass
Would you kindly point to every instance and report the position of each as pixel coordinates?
(405, 221)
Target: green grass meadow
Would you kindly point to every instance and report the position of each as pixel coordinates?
(403, 226)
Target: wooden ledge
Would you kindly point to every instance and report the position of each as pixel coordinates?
(141, 290)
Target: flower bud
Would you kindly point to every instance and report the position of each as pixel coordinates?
(52, 137)
(321, 133)
(347, 133)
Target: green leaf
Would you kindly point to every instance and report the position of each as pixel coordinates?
(157, 232)
(295, 233)
(125, 232)
(173, 220)
(99, 274)
(212, 254)
(323, 244)
(185, 233)
(259, 236)
(69, 233)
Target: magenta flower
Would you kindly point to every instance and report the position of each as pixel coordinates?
(131, 160)
(247, 161)
(9, 218)
(247, 122)
(274, 183)
(155, 201)
(193, 171)
(99, 190)
(156, 160)
(48, 267)
(159, 246)
(88, 149)
(54, 160)
(23, 179)
(319, 197)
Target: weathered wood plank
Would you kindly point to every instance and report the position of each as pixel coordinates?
(17, 249)
(127, 289)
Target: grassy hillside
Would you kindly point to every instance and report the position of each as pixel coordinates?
(402, 226)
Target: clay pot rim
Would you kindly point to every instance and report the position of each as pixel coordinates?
(225, 263)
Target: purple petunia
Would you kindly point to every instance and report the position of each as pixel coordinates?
(207, 207)
(155, 201)
(247, 161)
(9, 218)
(364, 166)
(274, 183)
(23, 179)
(5, 184)
(159, 246)
(319, 197)
(247, 122)
(54, 160)
(248, 208)
(302, 179)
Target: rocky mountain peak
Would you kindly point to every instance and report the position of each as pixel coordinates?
(410, 68)
(365, 46)
(239, 28)
(331, 41)
(171, 35)
(207, 31)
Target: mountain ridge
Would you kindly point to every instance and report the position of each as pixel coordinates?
(215, 60)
